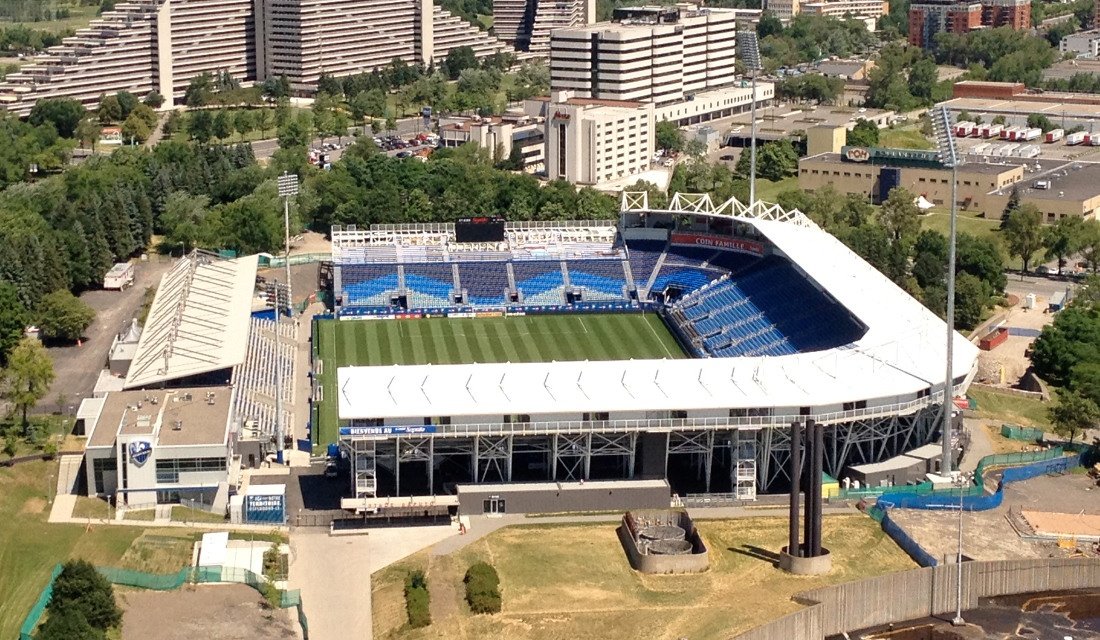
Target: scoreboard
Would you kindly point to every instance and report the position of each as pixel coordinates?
(482, 229)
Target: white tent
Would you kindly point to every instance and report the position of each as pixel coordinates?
(923, 204)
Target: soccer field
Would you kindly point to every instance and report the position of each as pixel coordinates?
(466, 340)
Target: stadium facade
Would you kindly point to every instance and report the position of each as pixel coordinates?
(783, 321)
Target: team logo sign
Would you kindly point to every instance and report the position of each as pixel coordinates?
(140, 450)
(859, 154)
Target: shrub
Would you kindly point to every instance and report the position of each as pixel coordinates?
(416, 600)
(482, 588)
(81, 590)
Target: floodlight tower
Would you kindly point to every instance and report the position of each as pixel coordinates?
(748, 49)
(288, 186)
(949, 157)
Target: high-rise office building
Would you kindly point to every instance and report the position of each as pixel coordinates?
(657, 55)
(161, 45)
(526, 24)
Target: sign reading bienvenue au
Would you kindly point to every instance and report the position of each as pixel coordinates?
(385, 431)
(718, 242)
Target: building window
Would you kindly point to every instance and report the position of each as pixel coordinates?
(561, 150)
(101, 466)
(168, 471)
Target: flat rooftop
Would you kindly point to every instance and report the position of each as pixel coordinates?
(1054, 110)
(1068, 181)
(155, 413)
(970, 167)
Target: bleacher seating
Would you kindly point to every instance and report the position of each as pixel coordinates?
(369, 285)
(266, 365)
(542, 282)
(429, 285)
(684, 277)
(643, 255)
(484, 282)
(600, 279)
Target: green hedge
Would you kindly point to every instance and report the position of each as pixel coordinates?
(483, 588)
(416, 600)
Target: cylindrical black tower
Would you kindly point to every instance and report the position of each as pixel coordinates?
(795, 472)
(819, 471)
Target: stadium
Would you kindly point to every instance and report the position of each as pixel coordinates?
(676, 344)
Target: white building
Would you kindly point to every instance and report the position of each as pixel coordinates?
(869, 11)
(526, 24)
(593, 141)
(499, 134)
(161, 446)
(660, 55)
(1085, 44)
(161, 45)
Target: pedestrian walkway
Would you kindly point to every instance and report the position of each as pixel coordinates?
(980, 446)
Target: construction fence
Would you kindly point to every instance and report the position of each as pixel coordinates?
(929, 591)
(1024, 434)
(170, 582)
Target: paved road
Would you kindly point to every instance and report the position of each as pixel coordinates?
(77, 368)
(406, 129)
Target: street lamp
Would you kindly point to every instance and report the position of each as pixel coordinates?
(948, 157)
(288, 186)
(748, 49)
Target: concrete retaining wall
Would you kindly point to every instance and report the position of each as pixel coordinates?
(695, 562)
(922, 592)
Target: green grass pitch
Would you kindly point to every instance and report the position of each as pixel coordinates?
(465, 340)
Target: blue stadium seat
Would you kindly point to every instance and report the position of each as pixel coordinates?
(542, 282)
(485, 282)
(369, 285)
(429, 285)
(600, 279)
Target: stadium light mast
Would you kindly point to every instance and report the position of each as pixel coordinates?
(748, 49)
(949, 157)
(288, 186)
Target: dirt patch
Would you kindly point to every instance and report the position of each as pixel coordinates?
(216, 612)
(34, 505)
(1073, 524)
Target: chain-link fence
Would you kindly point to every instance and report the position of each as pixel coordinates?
(1025, 434)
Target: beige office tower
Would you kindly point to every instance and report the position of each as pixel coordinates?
(783, 9)
(659, 55)
(526, 24)
(205, 36)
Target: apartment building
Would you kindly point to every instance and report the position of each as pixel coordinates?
(650, 54)
(594, 141)
(160, 45)
(783, 9)
(1084, 43)
(526, 24)
(930, 17)
(500, 135)
(868, 11)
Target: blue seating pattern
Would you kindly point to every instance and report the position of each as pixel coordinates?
(687, 278)
(770, 311)
(484, 282)
(643, 255)
(542, 282)
(429, 285)
(600, 279)
(369, 285)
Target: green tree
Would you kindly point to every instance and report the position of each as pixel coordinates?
(199, 91)
(68, 624)
(264, 121)
(1064, 238)
(80, 589)
(134, 129)
(153, 99)
(1073, 414)
(27, 377)
(63, 113)
(63, 316)
(971, 296)
(221, 127)
(768, 25)
(457, 60)
(1090, 244)
(13, 319)
(329, 85)
(109, 110)
(200, 126)
(1023, 233)
(146, 114)
(87, 132)
(243, 122)
(339, 125)
(668, 136)
(182, 219)
(998, 120)
(923, 77)
(1010, 206)
(1039, 121)
(863, 134)
(126, 102)
(899, 215)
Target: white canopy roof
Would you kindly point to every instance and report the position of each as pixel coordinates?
(902, 352)
(198, 321)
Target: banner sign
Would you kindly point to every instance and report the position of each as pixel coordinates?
(718, 242)
(385, 431)
(264, 503)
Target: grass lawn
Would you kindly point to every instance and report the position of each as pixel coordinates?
(573, 581)
(30, 547)
(91, 508)
(466, 340)
(485, 21)
(187, 514)
(1011, 409)
(767, 190)
(940, 220)
(904, 138)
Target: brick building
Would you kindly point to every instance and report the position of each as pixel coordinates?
(930, 17)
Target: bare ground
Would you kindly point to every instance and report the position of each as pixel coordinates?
(214, 612)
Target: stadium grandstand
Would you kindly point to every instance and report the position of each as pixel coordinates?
(200, 394)
(781, 323)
